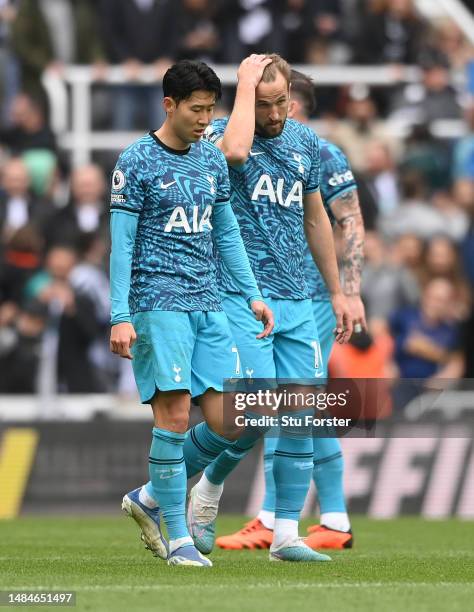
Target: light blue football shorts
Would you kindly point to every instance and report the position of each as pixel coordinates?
(174, 350)
(291, 354)
(325, 322)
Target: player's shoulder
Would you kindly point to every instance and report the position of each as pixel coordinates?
(138, 152)
(212, 152)
(330, 150)
(296, 127)
(296, 131)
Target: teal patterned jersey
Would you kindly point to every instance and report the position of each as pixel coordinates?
(336, 179)
(173, 194)
(267, 199)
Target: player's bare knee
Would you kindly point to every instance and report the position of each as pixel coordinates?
(171, 411)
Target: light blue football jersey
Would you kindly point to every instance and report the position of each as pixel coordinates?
(173, 193)
(267, 199)
(336, 179)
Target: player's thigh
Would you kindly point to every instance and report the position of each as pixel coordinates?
(256, 356)
(163, 351)
(297, 350)
(215, 358)
(325, 320)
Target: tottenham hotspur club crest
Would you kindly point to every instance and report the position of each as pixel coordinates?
(118, 180)
(297, 157)
(177, 370)
(211, 181)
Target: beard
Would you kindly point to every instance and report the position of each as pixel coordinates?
(262, 130)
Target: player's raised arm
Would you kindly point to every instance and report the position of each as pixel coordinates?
(228, 240)
(238, 136)
(321, 244)
(346, 211)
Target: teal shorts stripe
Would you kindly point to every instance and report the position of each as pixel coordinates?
(325, 322)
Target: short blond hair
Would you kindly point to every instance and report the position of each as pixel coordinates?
(278, 65)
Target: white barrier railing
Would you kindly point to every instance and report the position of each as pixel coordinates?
(81, 140)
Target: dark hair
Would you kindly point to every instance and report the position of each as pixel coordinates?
(302, 87)
(187, 76)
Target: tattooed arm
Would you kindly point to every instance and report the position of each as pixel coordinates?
(346, 211)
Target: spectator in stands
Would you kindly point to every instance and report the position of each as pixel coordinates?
(416, 215)
(72, 326)
(9, 72)
(385, 286)
(20, 346)
(361, 126)
(432, 99)
(407, 252)
(381, 175)
(297, 29)
(427, 156)
(48, 34)
(441, 260)
(89, 279)
(391, 33)
(17, 206)
(249, 27)
(327, 44)
(467, 257)
(463, 162)
(86, 213)
(28, 127)
(20, 261)
(449, 39)
(197, 33)
(138, 32)
(427, 341)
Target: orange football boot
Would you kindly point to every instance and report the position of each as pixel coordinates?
(321, 536)
(253, 535)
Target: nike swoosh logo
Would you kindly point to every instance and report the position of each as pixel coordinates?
(165, 476)
(166, 185)
(253, 153)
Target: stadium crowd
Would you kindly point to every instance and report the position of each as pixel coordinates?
(416, 192)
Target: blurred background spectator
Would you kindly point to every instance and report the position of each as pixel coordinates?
(9, 71)
(391, 32)
(134, 33)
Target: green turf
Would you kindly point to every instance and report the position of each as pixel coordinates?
(406, 564)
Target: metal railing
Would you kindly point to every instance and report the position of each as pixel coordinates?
(70, 95)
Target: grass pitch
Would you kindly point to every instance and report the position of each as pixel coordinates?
(406, 564)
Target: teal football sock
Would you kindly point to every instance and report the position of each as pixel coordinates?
(201, 447)
(292, 466)
(217, 471)
(168, 480)
(328, 474)
(269, 446)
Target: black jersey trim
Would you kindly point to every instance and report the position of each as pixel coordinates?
(129, 210)
(167, 148)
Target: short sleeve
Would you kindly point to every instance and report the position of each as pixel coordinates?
(336, 177)
(313, 181)
(127, 187)
(215, 131)
(223, 184)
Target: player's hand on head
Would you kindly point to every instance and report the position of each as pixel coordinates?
(356, 306)
(264, 314)
(344, 326)
(122, 338)
(252, 67)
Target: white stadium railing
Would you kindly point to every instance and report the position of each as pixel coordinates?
(70, 96)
